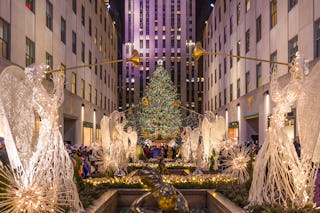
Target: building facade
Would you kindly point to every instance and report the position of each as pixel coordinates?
(66, 33)
(238, 89)
(160, 29)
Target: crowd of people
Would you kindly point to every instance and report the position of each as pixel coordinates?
(163, 151)
(82, 155)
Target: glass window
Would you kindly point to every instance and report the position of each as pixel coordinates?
(259, 75)
(30, 5)
(238, 13)
(83, 89)
(90, 93)
(231, 92)
(247, 82)
(225, 96)
(82, 52)
(30, 52)
(258, 28)
(49, 14)
(248, 5)
(219, 99)
(73, 83)
(49, 60)
(317, 38)
(74, 42)
(90, 58)
(74, 6)
(273, 57)
(83, 15)
(96, 67)
(231, 59)
(100, 72)
(90, 27)
(238, 50)
(4, 39)
(95, 96)
(292, 3)
(292, 48)
(248, 40)
(231, 26)
(63, 30)
(273, 13)
(238, 87)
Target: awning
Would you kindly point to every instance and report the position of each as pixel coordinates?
(251, 116)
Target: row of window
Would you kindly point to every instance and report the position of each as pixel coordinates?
(49, 23)
(273, 17)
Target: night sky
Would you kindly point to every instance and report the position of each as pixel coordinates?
(202, 10)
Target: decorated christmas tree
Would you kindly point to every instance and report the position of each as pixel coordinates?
(160, 117)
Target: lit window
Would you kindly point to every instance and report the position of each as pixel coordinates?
(73, 83)
(273, 13)
(4, 37)
(258, 28)
(248, 5)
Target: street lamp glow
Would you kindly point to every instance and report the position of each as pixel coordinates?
(212, 5)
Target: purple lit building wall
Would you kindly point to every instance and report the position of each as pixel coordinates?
(160, 29)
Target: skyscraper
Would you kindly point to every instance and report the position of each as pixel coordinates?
(160, 29)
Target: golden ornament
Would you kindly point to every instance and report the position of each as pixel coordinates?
(176, 104)
(145, 134)
(145, 101)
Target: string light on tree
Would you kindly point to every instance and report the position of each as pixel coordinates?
(160, 117)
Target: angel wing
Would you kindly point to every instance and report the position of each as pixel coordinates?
(308, 116)
(17, 116)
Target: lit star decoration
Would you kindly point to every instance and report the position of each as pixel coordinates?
(236, 162)
(17, 197)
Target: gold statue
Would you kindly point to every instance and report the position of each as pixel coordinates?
(168, 198)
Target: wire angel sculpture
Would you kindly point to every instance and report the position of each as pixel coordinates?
(279, 176)
(213, 132)
(41, 176)
(115, 142)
